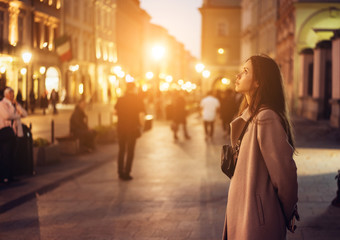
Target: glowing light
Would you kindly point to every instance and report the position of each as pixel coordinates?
(42, 70)
(81, 88)
(116, 69)
(26, 57)
(164, 87)
(129, 78)
(45, 44)
(119, 92)
(74, 68)
(168, 79)
(2, 69)
(148, 117)
(180, 82)
(158, 52)
(112, 79)
(149, 75)
(145, 87)
(199, 67)
(220, 51)
(225, 81)
(206, 73)
(121, 74)
(23, 71)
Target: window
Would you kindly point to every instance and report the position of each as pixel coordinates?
(37, 34)
(222, 29)
(20, 29)
(46, 36)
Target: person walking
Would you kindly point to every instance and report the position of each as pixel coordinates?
(130, 112)
(44, 102)
(32, 101)
(54, 99)
(179, 114)
(263, 192)
(210, 106)
(10, 127)
(79, 127)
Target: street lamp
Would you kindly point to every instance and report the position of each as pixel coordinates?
(158, 52)
(26, 57)
(199, 67)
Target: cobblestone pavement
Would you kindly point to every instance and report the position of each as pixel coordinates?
(178, 191)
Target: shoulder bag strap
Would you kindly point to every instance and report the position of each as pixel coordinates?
(238, 144)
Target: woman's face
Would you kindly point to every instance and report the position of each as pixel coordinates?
(244, 80)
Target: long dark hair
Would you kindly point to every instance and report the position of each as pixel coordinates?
(270, 92)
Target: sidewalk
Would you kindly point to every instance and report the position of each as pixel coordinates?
(50, 177)
(178, 191)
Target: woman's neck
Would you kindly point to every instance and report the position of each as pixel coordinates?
(248, 98)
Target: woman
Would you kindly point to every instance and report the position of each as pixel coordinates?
(263, 191)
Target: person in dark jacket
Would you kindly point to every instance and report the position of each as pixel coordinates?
(179, 114)
(54, 99)
(130, 109)
(79, 127)
(44, 102)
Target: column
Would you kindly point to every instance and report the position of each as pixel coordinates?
(316, 105)
(13, 23)
(306, 59)
(335, 101)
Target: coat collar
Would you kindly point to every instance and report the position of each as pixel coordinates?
(237, 126)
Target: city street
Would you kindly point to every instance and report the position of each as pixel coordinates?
(178, 191)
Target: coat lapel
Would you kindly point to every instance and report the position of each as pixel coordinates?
(237, 126)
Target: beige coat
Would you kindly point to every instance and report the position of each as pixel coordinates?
(263, 191)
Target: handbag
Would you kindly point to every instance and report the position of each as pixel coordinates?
(229, 154)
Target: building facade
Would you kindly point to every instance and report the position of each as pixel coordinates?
(29, 27)
(308, 58)
(220, 53)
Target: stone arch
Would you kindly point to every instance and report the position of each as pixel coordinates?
(317, 27)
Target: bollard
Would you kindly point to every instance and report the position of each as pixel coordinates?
(99, 119)
(52, 131)
(336, 200)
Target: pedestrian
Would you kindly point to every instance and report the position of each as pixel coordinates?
(227, 110)
(178, 114)
(79, 127)
(10, 127)
(130, 112)
(32, 101)
(54, 99)
(263, 191)
(210, 106)
(19, 98)
(44, 102)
